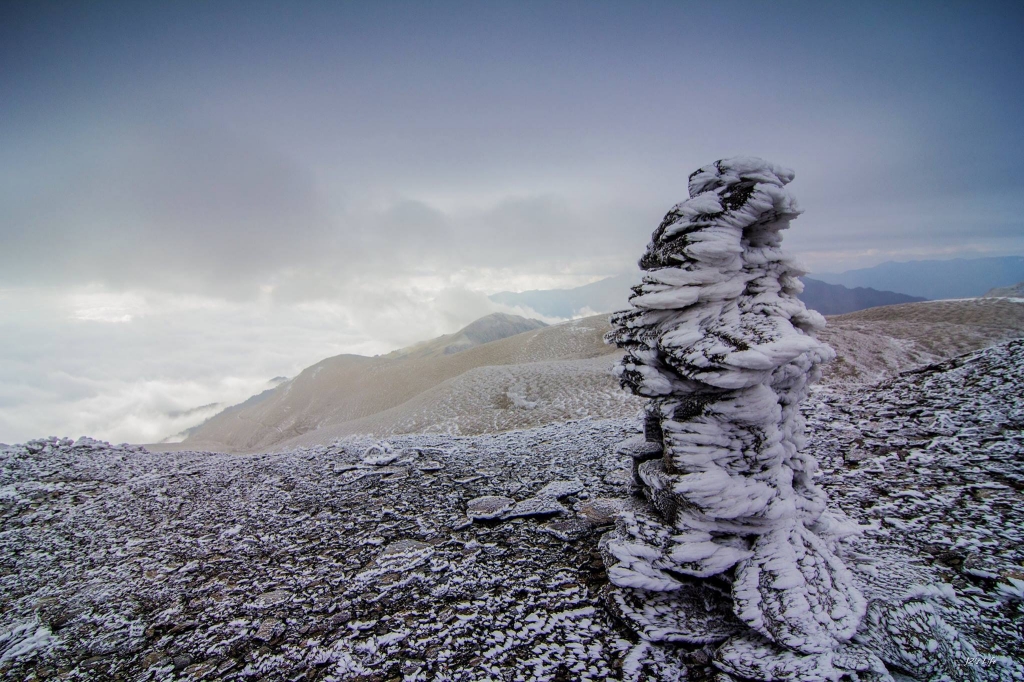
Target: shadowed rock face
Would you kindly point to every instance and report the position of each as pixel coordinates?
(720, 343)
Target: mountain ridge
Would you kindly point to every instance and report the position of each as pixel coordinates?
(612, 293)
(836, 299)
(935, 279)
(488, 328)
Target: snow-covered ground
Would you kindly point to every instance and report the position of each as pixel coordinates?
(314, 564)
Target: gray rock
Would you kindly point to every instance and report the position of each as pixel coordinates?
(535, 506)
(429, 466)
(639, 448)
(269, 629)
(600, 511)
(404, 547)
(379, 455)
(488, 507)
(618, 477)
(273, 598)
(560, 489)
(568, 530)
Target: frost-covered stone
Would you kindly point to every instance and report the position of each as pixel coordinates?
(638, 447)
(429, 466)
(913, 636)
(488, 507)
(535, 506)
(720, 343)
(772, 595)
(269, 629)
(273, 598)
(697, 613)
(568, 530)
(600, 511)
(560, 489)
(379, 454)
(387, 577)
(752, 657)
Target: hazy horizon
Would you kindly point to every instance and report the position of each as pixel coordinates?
(196, 198)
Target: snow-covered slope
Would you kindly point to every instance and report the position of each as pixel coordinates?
(157, 566)
(495, 398)
(1015, 291)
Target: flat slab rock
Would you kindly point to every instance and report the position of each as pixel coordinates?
(535, 506)
(489, 507)
(601, 511)
(560, 489)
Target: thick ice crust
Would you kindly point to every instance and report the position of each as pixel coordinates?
(797, 593)
(718, 340)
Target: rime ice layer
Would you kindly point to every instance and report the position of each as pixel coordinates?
(720, 343)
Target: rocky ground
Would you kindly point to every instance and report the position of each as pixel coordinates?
(351, 562)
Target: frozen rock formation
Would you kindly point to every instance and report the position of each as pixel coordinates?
(730, 517)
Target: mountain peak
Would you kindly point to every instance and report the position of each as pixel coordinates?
(488, 328)
(498, 326)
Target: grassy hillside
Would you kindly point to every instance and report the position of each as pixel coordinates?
(350, 387)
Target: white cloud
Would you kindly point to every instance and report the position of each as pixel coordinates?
(69, 369)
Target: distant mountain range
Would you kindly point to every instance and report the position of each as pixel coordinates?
(835, 299)
(935, 279)
(603, 296)
(506, 371)
(612, 293)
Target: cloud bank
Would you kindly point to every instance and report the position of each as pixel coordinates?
(196, 199)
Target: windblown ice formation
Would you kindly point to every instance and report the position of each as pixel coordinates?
(732, 519)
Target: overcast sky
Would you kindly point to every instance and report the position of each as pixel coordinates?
(197, 197)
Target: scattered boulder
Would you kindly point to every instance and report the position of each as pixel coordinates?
(568, 530)
(429, 466)
(273, 598)
(269, 629)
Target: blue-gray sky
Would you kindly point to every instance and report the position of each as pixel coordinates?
(196, 196)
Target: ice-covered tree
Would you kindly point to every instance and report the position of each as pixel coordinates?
(729, 540)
